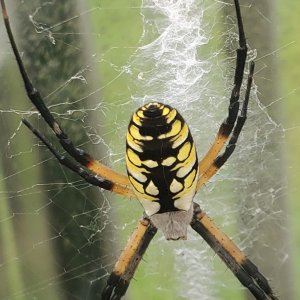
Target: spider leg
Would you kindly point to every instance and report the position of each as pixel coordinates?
(124, 269)
(220, 160)
(233, 109)
(242, 267)
(79, 155)
(76, 168)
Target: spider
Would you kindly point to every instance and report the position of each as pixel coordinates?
(163, 174)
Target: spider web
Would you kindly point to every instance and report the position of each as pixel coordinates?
(59, 237)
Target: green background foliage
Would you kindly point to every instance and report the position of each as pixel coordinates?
(113, 33)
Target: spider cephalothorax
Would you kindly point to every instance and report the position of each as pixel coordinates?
(163, 174)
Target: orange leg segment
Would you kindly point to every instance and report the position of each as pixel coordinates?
(129, 260)
(242, 267)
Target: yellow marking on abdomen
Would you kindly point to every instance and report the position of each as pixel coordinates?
(150, 163)
(136, 185)
(135, 132)
(139, 191)
(175, 186)
(183, 171)
(181, 137)
(176, 126)
(141, 114)
(135, 171)
(136, 119)
(158, 105)
(188, 189)
(171, 116)
(184, 151)
(185, 167)
(152, 189)
(166, 110)
(168, 161)
(189, 180)
(132, 143)
(133, 157)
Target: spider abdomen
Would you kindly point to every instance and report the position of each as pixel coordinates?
(161, 159)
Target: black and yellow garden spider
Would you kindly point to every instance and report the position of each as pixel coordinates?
(163, 173)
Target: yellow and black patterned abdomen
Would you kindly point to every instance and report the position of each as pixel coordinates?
(161, 159)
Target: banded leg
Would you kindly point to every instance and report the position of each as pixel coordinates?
(222, 158)
(129, 260)
(79, 155)
(76, 168)
(242, 267)
(233, 109)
